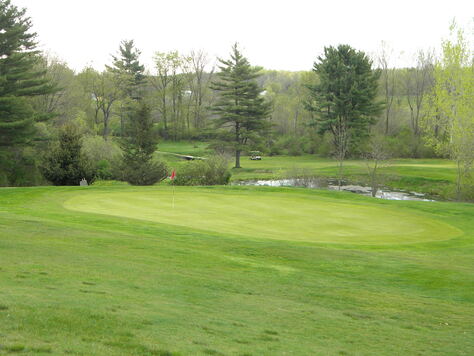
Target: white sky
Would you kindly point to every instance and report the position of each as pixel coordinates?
(286, 35)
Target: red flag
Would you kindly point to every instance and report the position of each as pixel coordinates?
(173, 174)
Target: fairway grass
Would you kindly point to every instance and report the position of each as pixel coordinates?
(116, 270)
(283, 215)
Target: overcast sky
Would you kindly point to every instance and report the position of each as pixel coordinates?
(286, 35)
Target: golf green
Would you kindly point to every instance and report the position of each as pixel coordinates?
(268, 214)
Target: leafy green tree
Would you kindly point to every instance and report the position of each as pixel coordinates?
(138, 145)
(19, 78)
(344, 101)
(171, 84)
(450, 126)
(105, 93)
(69, 98)
(65, 164)
(241, 105)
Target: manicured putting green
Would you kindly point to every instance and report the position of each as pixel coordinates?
(268, 214)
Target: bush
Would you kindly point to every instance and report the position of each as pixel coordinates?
(104, 155)
(404, 144)
(65, 164)
(143, 173)
(19, 167)
(138, 146)
(292, 145)
(212, 171)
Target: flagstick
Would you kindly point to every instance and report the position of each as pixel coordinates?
(173, 196)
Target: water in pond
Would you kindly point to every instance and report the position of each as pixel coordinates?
(332, 185)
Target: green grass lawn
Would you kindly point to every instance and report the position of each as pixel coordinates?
(435, 177)
(193, 148)
(232, 271)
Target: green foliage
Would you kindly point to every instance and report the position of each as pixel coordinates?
(212, 171)
(104, 155)
(19, 78)
(105, 91)
(143, 173)
(20, 167)
(64, 104)
(450, 127)
(291, 145)
(128, 71)
(138, 145)
(64, 163)
(344, 101)
(241, 107)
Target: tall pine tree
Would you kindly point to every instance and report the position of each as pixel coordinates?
(241, 106)
(128, 70)
(19, 79)
(344, 101)
(138, 146)
(129, 78)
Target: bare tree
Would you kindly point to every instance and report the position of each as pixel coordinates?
(161, 83)
(200, 62)
(63, 103)
(105, 93)
(376, 157)
(171, 84)
(418, 82)
(388, 81)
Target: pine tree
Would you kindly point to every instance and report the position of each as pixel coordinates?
(129, 78)
(138, 145)
(19, 79)
(241, 105)
(65, 164)
(344, 101)
(128, 70)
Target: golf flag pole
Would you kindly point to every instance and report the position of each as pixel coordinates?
(173, 176)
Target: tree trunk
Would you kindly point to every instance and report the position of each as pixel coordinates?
(459, 181)
(237, 159)
(339, 178)
(106, 129)
(237, 142)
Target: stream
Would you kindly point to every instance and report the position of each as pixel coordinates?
(331, 184)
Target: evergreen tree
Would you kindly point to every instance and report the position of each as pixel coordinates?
(344, 101)
(138, 145)
(128, 70)
(129, 78)
(19, 79)
(64, 164)
(241, 105)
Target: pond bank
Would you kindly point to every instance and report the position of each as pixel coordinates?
(331, 184)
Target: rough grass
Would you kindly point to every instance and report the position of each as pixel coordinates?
(82, 283)
(435, 177)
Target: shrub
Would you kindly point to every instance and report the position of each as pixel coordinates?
(212, 171)
(143, 173)
(138, 145)
(19, 167)
(104, 155)
(291, 145)
(65, 164)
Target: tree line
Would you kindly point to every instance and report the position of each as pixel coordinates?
(336, 109)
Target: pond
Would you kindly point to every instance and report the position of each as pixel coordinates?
(331, 184)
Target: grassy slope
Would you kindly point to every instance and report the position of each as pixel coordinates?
(430, 176)
(425, 175)
(84, 283)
